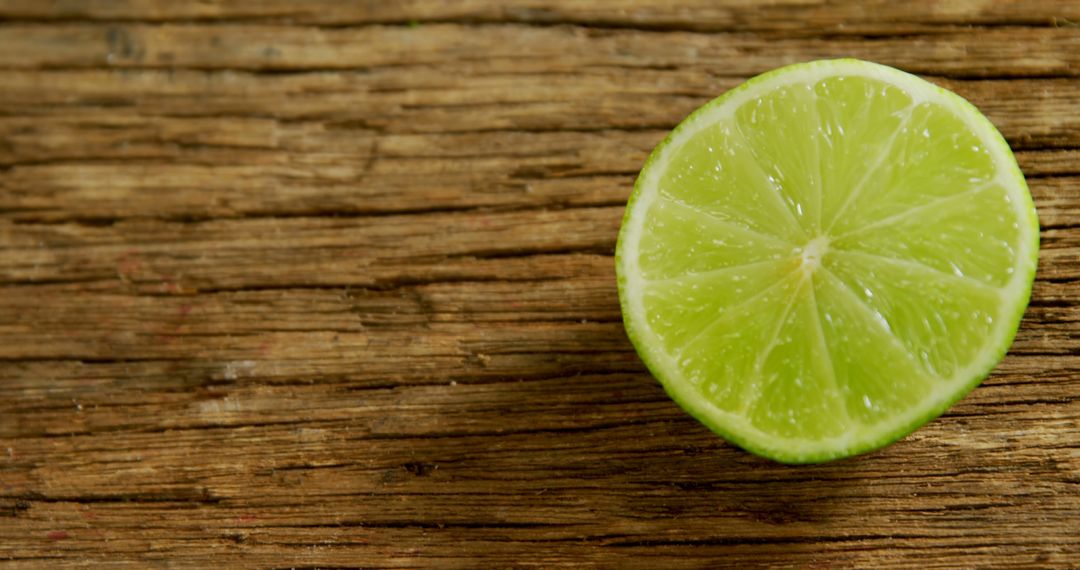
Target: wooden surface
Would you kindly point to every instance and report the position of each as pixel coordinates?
(330, 284)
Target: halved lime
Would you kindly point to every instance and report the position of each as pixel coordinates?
(825, 258)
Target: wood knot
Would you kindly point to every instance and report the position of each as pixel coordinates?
(692, 450)
(419, 468)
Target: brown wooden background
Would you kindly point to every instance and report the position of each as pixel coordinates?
(329, 284)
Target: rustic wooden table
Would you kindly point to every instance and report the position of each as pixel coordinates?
(330, 284)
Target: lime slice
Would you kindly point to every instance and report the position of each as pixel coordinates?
(825, 258)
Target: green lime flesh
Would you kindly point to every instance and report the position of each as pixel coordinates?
(825, 258)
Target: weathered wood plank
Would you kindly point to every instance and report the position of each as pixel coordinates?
(794, 18)
(994, 52)
(299, 285)
(59, 193)
(371, 252)
(243, 393)
(680, 463)
(166, 257)
(471, 448)
(1031, 113)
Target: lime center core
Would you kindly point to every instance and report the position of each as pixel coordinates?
(812, 253)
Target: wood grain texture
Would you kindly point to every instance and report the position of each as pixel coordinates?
(328, 284)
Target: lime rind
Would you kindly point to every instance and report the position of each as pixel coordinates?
(736, 428)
